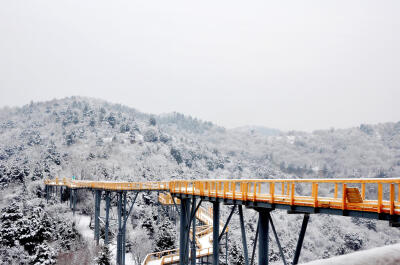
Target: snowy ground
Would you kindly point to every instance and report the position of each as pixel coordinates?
(82, 224)
(388, 255)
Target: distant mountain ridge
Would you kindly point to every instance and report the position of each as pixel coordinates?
(258, 129)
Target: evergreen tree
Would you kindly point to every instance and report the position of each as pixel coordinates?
(8, 230)
(235, 255)
(44, 255)
(104, 256)
(165, 238)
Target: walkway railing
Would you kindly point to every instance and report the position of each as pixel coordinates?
(383, 196)
(385, 199)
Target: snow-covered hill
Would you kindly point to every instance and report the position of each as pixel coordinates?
(93, 139)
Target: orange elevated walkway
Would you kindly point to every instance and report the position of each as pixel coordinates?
(368, 198)
(384, 200)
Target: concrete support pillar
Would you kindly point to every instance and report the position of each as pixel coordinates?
(215, 233)
(263, 227)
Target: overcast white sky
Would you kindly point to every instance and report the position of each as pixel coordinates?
(285, 64)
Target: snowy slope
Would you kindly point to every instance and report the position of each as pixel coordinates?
(388, 255)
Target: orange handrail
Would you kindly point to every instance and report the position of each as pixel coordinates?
(251, 190)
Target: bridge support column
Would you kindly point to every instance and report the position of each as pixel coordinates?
(193, 247)
(46, 188)
(184, 230)
(263, 237)
(108, 200)
(61, 194)
(97, 216)
(244, 240)
(215, 233)
(124, 218)
(70, 197)
(277, 239)
(301, 238)
(74, 199)
(119, 236)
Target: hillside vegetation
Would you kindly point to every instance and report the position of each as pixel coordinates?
(93, 139)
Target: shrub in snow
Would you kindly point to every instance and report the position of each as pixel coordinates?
(17, 174)
(27, 226)
(150, 135)
(92, 122)
(148, 225)
(99, 142)
(164, 138)
(176, 154)
(140, 245)
(34, 230)
(3, 155)
(8, 229)
(70, 138)
(34, 138)
(124, 128)
(210, 165)
(235, 254)
(353, 241)
(112, 120)
(370, 224)
(37, 174)
(132, 138)
(152, 121)
(44, 255)
(165, 237)
(103, 257)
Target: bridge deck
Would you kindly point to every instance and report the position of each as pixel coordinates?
(377, 199)
(300, 195)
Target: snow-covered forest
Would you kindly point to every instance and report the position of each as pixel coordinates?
(95, 140)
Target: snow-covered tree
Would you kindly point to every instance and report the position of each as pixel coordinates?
(104, 256)
(165, 236)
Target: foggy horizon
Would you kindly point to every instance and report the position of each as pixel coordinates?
(302, 66)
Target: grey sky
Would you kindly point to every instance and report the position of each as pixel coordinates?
(286, 64)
